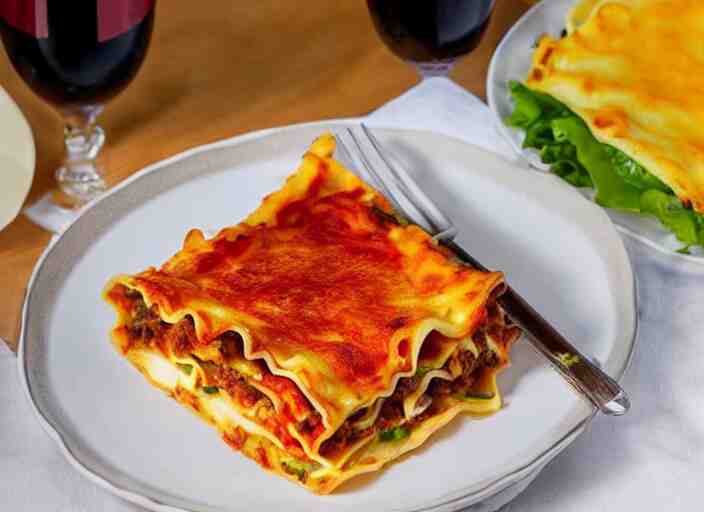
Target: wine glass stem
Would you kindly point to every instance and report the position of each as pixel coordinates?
(434, 68)
(79, 177)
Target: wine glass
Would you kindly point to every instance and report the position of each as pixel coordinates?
(431, 34)
(77, 57)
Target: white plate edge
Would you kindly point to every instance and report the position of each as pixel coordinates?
(512, 477)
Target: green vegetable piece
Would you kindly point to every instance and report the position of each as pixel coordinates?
(547, 103)
(539, 134)
(531, 106)
(563, 157)
(558, 152)
(422, 370)
(185, 368)
(634, 173)
(294, 467)
(394, 434)
(211, 390)
(573, 173)
(673, 215)
(699, 220)
(568, 359)
(611, 190)
(527, 109)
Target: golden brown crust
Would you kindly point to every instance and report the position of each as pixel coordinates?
(634, 72)
(331, 295)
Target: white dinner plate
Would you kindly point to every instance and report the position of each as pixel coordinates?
(512, 61)
(557, 249)
(16, 159)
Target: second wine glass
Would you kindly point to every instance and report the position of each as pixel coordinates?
(431, 34)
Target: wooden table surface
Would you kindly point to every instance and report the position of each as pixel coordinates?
(217, 71)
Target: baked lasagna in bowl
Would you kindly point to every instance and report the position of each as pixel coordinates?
(616, 104)
(323, 336)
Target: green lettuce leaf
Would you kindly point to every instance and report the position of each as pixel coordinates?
(394, 434)
(565, 143)
(527, 109)
(684, 223)
(634, 173)
(611, 190)
(563, 157)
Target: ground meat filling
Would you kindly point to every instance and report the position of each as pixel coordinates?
(181, 337)
(147, 328)
(146, 323)
(310, 423)
(465, 364)
(391, 413)
(236, 386)
(343, 437)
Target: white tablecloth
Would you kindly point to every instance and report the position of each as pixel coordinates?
(648, 460)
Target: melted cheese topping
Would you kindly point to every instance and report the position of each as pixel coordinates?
(329, 291)
(322, 284)
(634, 71)
(579, 14)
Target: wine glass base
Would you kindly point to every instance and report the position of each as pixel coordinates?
(80, 188)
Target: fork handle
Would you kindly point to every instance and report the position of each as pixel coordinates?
(603, 391)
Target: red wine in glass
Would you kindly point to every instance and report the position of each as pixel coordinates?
(77, 55)
(432, 34)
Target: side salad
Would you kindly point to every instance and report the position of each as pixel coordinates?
(565, 142)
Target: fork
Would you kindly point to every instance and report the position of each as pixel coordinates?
(360, 150)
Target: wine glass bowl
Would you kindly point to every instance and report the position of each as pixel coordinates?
(78, 58)
(431, 34)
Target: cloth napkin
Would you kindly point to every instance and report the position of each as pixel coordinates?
(48, 215)
(34, 475)
(649, 460)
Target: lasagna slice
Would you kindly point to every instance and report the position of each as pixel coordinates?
(617, 104)
(323, 336)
